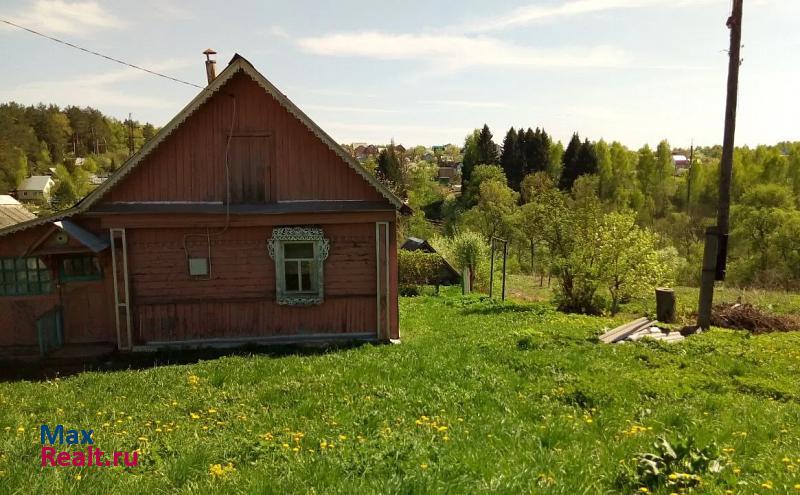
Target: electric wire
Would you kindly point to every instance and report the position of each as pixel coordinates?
(98, 54)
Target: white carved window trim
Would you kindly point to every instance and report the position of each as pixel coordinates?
(275, 247)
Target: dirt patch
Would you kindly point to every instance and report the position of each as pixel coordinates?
(749, 317)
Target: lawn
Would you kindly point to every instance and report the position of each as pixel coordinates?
(480, 397)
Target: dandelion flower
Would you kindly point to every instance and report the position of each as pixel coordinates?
(78, 476)
(423, 466)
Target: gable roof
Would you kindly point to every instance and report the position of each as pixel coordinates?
(236, 65)
(12, 212)
(36, 183)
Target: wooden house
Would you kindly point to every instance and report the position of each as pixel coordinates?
(35, 189)
(240, 221)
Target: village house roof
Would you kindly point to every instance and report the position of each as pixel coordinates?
(38, 183)
(12, 212)
(236, 65)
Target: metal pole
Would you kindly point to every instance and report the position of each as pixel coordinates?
(491, 270)
(726, 171)
(505, 255)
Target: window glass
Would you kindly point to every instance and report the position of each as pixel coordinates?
(306, 276)
(23, 276)
(298, 250)
(81, 268)
(290, 272)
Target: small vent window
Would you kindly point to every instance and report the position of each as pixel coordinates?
(78, 268)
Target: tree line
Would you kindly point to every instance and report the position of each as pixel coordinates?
(542, 197)
(36, 138)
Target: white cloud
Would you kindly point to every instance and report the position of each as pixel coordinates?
(100, 89)
(467, 103)
(529, 14)
(63, 17)
(453, 52)
(338, 109)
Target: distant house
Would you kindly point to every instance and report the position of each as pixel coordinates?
(448, 275)
(399, 148)
(12, 212)
(681, 163)
(35, 189)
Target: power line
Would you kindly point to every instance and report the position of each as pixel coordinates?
(92, 52)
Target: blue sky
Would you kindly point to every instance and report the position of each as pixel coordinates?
(425, 72)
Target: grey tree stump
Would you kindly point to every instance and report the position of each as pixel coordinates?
(665, 305)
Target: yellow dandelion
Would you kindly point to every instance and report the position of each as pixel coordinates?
(212, 411)
(342, 438)
(786, 460)
(644, 490)
(194, 415)
(423, 466)
(21, 429)
(78, 477)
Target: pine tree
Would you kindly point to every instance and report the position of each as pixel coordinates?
(539, 151)
(389, 168)
(569, 171)
(487, 150)
(511, 160)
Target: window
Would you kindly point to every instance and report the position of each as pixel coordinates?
(24, 277)
(81, 268)
(299, 254)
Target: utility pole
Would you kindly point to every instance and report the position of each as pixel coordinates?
(689, 181)
(716, 249)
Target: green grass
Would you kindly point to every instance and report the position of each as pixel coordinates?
(479, 397)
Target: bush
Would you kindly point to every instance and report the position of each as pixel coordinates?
(419, 268)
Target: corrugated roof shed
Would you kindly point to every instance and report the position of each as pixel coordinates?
(12, 212)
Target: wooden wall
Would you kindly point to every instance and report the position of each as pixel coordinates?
(239, 298)
(190, 164)
(88, 312)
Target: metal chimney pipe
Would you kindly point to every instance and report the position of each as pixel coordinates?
(211, 65)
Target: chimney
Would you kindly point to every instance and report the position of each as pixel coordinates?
(211, 65)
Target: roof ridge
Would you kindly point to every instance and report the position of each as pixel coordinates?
(237, 63)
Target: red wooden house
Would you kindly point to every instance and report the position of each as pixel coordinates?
(240, 221)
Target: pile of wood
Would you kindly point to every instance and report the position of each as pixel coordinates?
(637, 330)
(748, 317)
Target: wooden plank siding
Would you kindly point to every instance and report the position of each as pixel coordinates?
(190, 165)
(89, 317)
(170, 202)
(238, 300)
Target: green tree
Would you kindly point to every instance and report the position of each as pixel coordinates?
(390, 169)
(605, 171)
(495, 214)
(471, 157)
(511, 159)
(629, 260)
(482, 173)
(485, 147)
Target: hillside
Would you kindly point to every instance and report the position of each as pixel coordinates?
(480, 396)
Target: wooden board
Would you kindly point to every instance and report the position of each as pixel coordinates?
(622, 331)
